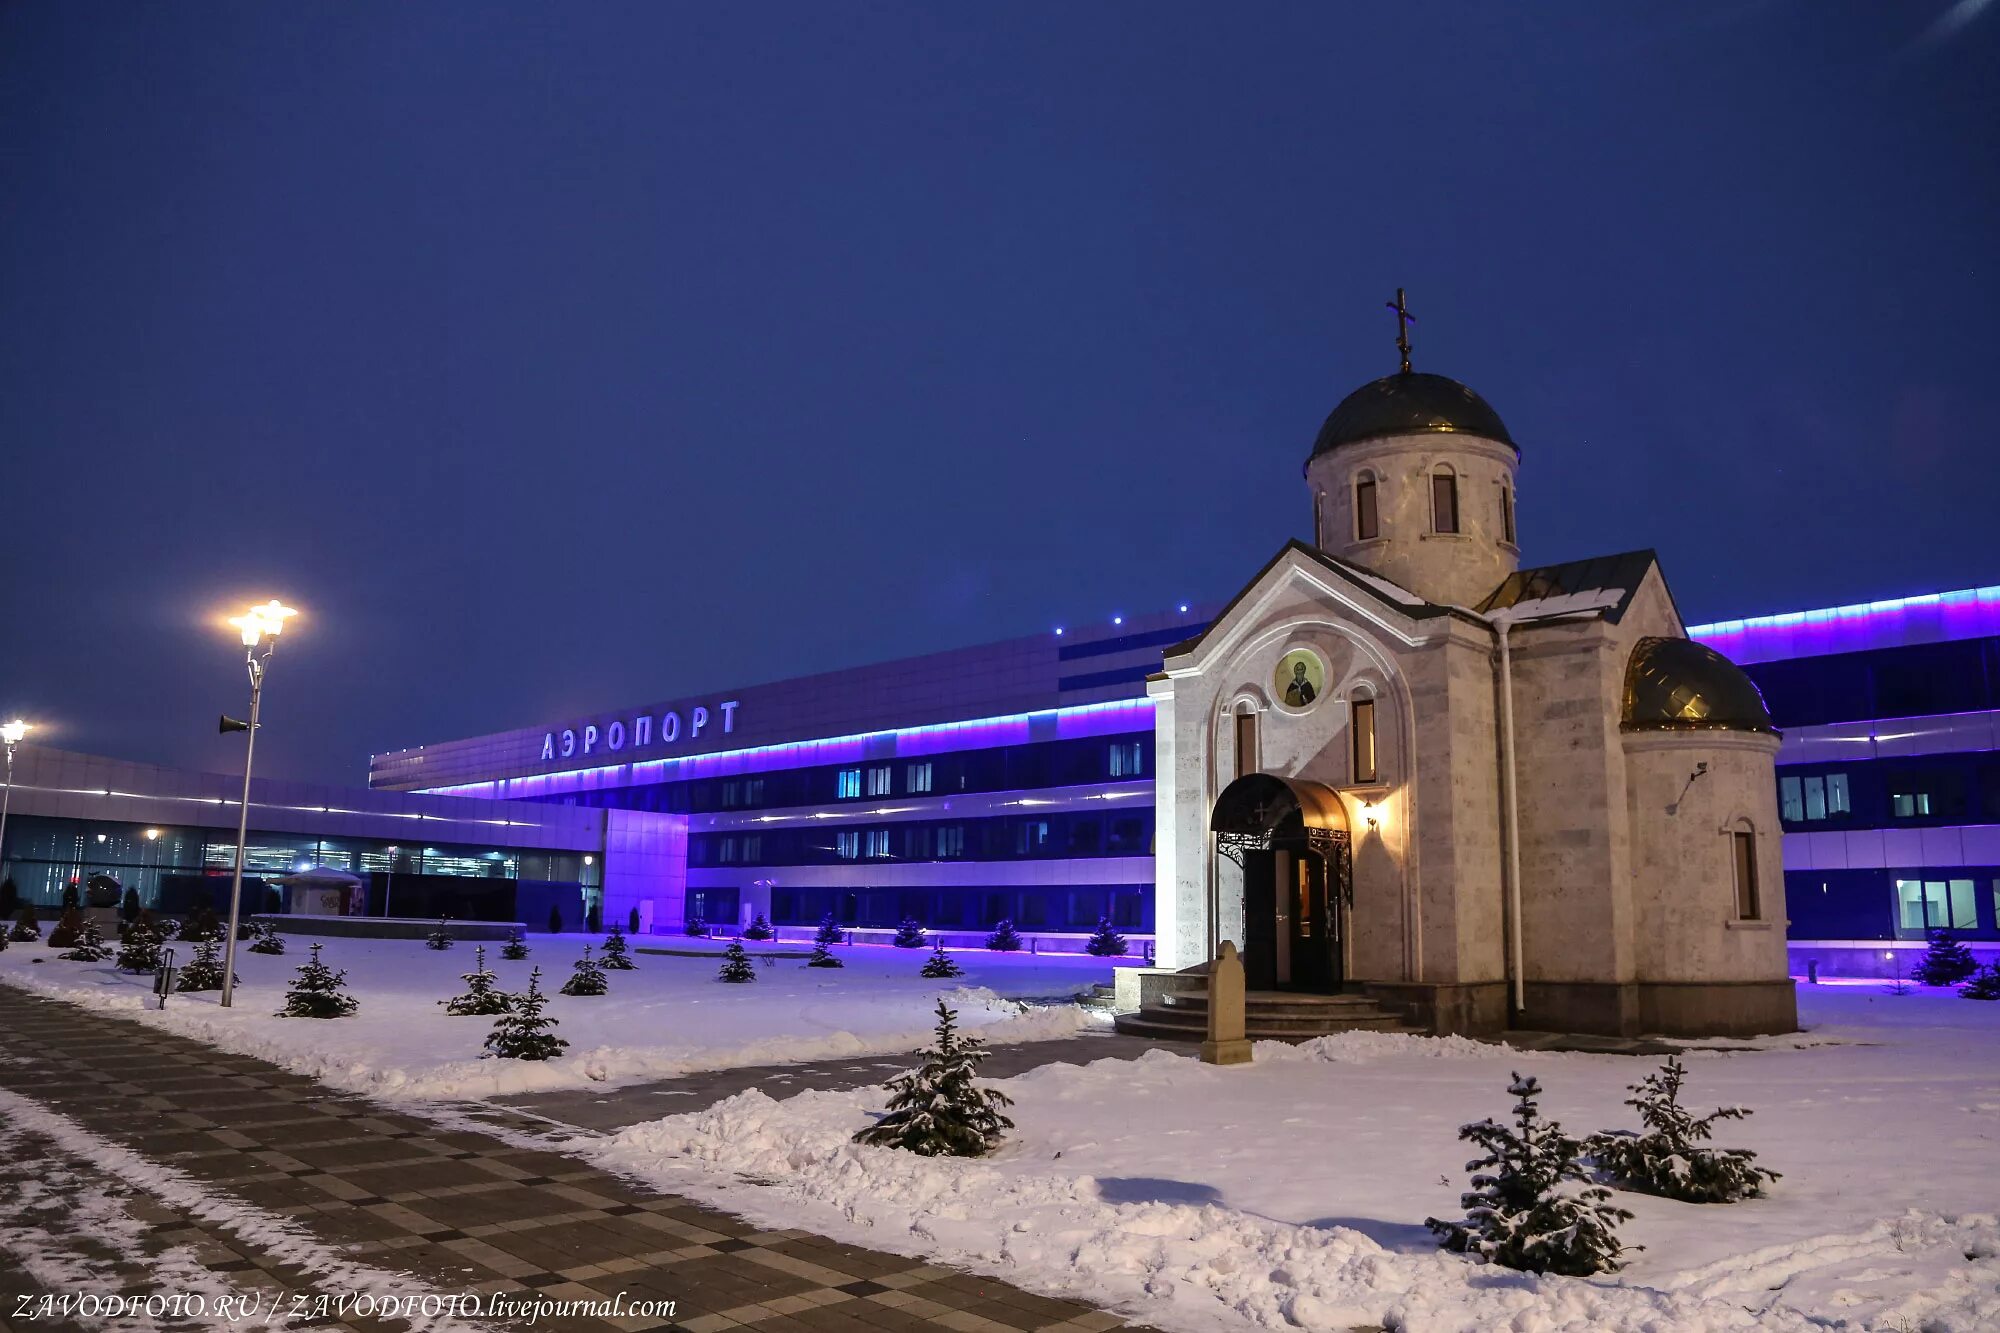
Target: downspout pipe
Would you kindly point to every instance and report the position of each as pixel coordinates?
(1511, 818)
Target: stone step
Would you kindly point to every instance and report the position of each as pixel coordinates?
(1183, 1023)
(1280, 1002)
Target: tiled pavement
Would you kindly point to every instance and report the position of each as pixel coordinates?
(461, 1210)
(614, 1109)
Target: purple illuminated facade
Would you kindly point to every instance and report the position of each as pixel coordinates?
(1889, 777)
(1010, 780)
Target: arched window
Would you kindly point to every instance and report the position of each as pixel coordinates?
(1319, 519)
(1743, 862)
(1246, 742)
(1444, 500)
(1367, 518)
(1361, 741)
(1506, 513)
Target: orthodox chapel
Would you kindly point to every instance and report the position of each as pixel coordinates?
(1401, 766)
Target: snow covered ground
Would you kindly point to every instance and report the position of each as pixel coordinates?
(1292, 1192)
(667, 1017)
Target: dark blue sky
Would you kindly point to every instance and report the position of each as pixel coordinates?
(554, 357)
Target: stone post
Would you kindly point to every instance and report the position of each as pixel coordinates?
(1226, 1044)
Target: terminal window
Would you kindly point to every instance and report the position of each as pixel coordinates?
(917, 777)
(1128, 759)
(847, 845)
(1932, 904)
(878, 842)
(879, 783)
(1821, 796)
(847, 783)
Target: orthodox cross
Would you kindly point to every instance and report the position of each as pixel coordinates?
(1403, 321)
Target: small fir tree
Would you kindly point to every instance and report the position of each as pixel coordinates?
(1104, 941)
(936, 1110)
(265, 939)
(822, 956)
(940, 967)
(632, 922)
(593, 919)
(696, 926)
(1946, 963)
(588, 979)
(910, 935)
(318, 992)
(1521, 1211)
(204, 970)
(523, 1032)
(128, 908)
(1667, 1157)
(829, 932)
(555, 919)
(758, 929)
(71, 899)
(1983, 984)
(90, 946)
(139, 951)
(203, 925)
(68, 929)
(516, 947)
(1004, 939)
(10, 897)
(26, 928)
(616, 958)
(439, 938)
(736, 964)
(481, 995)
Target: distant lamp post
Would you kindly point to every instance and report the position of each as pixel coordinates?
(10, 736)
(388, 882)
(260, 626)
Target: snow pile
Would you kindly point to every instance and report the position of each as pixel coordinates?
(1291, 1192)
(666, 1018)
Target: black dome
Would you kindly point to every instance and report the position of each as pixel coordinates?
(1410, 403)
(1681, 685)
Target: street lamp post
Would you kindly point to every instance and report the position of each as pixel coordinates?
(10, 734)
(260, 625)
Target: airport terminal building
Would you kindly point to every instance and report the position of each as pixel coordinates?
(1016, 780)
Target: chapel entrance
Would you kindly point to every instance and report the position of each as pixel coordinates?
(1290, 838)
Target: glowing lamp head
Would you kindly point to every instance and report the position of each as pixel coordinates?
(12, 732)
(152, 834)
(261, 621)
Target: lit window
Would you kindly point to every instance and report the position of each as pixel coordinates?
(918, 778)
(1246, 743)
(1791, 807)
(1367, 525)
(1836, 794)
(1506, 513)
(951, 841)
(847, 845)
(1744, 845)
(1362, 753)
(1933, 904)
(879, 781)
(1031, 836)
(849, 783)
(1444, 502)
(878, 842)
(1128, 759)
(1910, 805)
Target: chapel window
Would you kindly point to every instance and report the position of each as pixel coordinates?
(1444, 501)
(1246, 743)
(1367, 523)
(1362, 744)
(1506, 513)
(1743, 846)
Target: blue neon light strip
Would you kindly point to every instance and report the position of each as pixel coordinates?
(1117, 717)
(1927, 618)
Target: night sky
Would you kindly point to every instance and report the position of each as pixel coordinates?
(556, 357)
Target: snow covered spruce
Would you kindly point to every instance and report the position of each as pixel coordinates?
(139, 949)
(439, 938)
(1004, 939)
(524, 1032)
(204, 970)
(265, 939)
(1946, 962)
(318, 992)
(1984, 984)
(1105, 942)
(1667, 1156)
(936, 1110)
(89, 946)
(759, 929)
(588, 978)
(736, 965)
(828, 935)
(1531, 1206)
(26, 928)
(516, 947)
(910, 935)
(616, 957)
(940, 967)
(482, 996)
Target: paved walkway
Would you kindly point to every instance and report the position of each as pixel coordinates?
(612, 1110)
(456, 1210)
